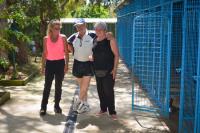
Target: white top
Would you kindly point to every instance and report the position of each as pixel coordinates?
(82, 46)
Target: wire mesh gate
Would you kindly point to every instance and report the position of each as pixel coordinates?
(149, 62)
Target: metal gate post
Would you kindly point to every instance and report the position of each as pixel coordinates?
(197, 110)
(182, 69)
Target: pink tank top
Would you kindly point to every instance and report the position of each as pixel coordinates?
(55, 50)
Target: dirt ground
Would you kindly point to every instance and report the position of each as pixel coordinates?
(21, 113)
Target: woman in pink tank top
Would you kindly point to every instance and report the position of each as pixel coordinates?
(54, 64)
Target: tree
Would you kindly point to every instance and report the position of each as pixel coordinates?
(92, 11)
(15, 33)
(32, 16)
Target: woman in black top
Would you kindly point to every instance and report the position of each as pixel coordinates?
(105, 60)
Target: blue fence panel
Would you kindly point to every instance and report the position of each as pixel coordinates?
(197, 120)
(149, 60)
(153, 3)
(161, 46)
(176, 51)
(188, 119)
(124, 37)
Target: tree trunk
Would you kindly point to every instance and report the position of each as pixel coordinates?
(22, 55)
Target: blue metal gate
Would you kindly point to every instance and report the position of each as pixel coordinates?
(150, 60)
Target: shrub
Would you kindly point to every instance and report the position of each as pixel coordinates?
(4, 64)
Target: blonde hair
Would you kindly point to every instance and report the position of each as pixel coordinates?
(51, 25)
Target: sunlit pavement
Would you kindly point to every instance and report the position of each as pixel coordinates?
(21, 113)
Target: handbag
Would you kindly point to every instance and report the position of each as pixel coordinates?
(101, 73)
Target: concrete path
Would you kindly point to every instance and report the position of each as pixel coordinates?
(21, 113)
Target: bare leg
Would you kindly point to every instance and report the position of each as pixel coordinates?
(84, 84)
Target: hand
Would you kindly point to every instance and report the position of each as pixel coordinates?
(109, 35)
(66, 69)
(114, 72)
(42, 70)
(91, 58)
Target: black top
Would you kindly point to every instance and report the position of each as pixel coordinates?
(103, 55)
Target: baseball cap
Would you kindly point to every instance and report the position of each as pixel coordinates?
(79, 21)
(100, 25)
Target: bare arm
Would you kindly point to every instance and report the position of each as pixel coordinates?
(66, 53)
(115, 51)
(44, 55)
(70, 48)
(66, 50)
(70, 42)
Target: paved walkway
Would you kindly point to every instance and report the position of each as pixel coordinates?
(21, 113)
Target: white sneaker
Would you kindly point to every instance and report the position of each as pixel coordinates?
(83, 107)
(76, 103)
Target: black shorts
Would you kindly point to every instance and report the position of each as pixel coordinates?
(81, 69)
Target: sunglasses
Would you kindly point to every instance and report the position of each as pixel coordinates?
(56, 28)
(98, 29)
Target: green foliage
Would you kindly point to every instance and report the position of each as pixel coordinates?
(50, 9)
(16, 12)
(4, 44)
(79, 8)
(2, 76)
(4, 64)
(91, 11)
(14, 75)
(1, 1)
(25, 22)
(72, 6)
(19, 36)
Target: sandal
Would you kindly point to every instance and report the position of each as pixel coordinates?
(114, 117)
(100, 113)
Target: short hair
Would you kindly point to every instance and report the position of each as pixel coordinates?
(100, 25)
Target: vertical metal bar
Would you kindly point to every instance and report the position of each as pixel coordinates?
(161, 48)
(133, 62)
(163, 52)
(196, 127)
(152, 41)
(183, 68)
(168, 61)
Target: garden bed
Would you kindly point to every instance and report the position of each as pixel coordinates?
(25, 74)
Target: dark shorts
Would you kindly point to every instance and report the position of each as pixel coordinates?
(81, 69)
